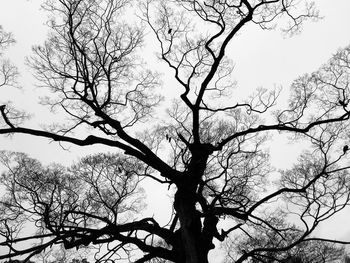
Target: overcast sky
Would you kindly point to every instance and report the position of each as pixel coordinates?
(261, 58)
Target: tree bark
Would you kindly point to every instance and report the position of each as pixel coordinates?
(195, 241)
(194, 249)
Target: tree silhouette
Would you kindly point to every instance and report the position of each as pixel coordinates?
(210, 149)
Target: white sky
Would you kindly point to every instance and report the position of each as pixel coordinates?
(262, 59)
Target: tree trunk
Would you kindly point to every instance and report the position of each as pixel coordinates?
(192, 247)
(195, 241)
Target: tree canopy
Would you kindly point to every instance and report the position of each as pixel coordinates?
(209, 147)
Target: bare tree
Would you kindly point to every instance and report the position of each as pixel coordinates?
(211, 149)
